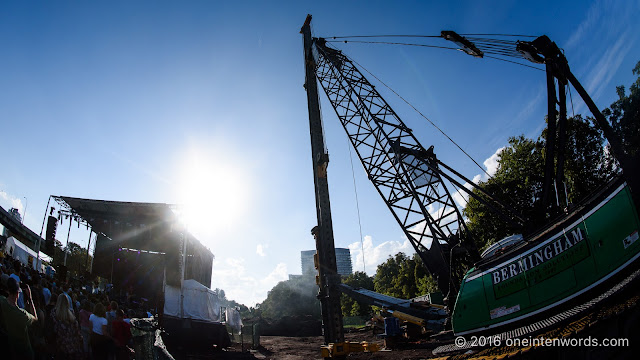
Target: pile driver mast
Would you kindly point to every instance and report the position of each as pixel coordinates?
(328, 278)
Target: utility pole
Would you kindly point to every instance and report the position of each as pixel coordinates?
(328, 293)
(66, 248)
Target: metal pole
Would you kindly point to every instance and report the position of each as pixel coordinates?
(66, 247)
(26, 204)
(562, 135)
(94, 251)
(86, 262)
(628, 162)
(550, 138)
(327, 270)
(46, 210)
(183, 264)
(112, 255)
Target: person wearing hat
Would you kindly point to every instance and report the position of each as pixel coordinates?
(16, 321)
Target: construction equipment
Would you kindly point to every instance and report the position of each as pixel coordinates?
(577, 254)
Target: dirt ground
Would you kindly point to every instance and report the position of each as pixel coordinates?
(299, 348)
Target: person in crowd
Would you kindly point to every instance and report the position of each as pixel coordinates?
(3, 285)
(17, 321)
(15, 275)
(15, 272)
(49, 331)
(37, 331)
(68, 338)
(75, 303)
(85, 324)
(67, 292)
(130, 314)
(100, 340)
(111, 314)
(121, 335)
(45, 291)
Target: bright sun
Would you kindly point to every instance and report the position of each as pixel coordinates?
(213, 195)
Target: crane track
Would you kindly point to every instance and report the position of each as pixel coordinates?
(551, 327)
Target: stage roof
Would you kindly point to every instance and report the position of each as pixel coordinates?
(102, 214)
(148, 227)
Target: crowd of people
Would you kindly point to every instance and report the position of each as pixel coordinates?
(46, 317)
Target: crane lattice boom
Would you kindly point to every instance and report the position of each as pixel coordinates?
(405, 174)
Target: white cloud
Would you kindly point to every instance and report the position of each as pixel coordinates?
(231, 275)
(600, 44)
(278, 274)
(8, 201)
(260, 249)
(531, 107)
(593, 15)
(608, 64)
(491, 166)
(376, 255)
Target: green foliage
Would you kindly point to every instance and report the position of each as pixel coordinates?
(588, 165)
(222, 298)
(400, 276)
(517, 182)
(290, 298)
(425, 283)
(624, 115)
(519, 178)
(351, 307)
(77, 262)
(403, 277)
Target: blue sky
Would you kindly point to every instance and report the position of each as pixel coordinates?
(201, 102)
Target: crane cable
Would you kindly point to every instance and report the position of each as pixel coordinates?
(355, 190)
(425, 36)
(396, 43)
(421, 114)
(491, 46)
(500, 52)
(489, 176)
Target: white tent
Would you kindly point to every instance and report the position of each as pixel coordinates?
(23, 253)
(200, 302)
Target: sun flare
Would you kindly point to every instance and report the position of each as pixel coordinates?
(213, 196)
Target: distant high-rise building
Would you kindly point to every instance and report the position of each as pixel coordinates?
(343, 261)
(306, 260)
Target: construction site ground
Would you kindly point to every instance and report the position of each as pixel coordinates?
(617, 318)
(600, 324)
(299, 348)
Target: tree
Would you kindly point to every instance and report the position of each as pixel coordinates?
(517, 183)
(294, 297)
(77, 259)
(403, 277)
(425, 283)
(518, 180)
(624, 115)
(222, 298)
(351, 307)
(588, 165)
